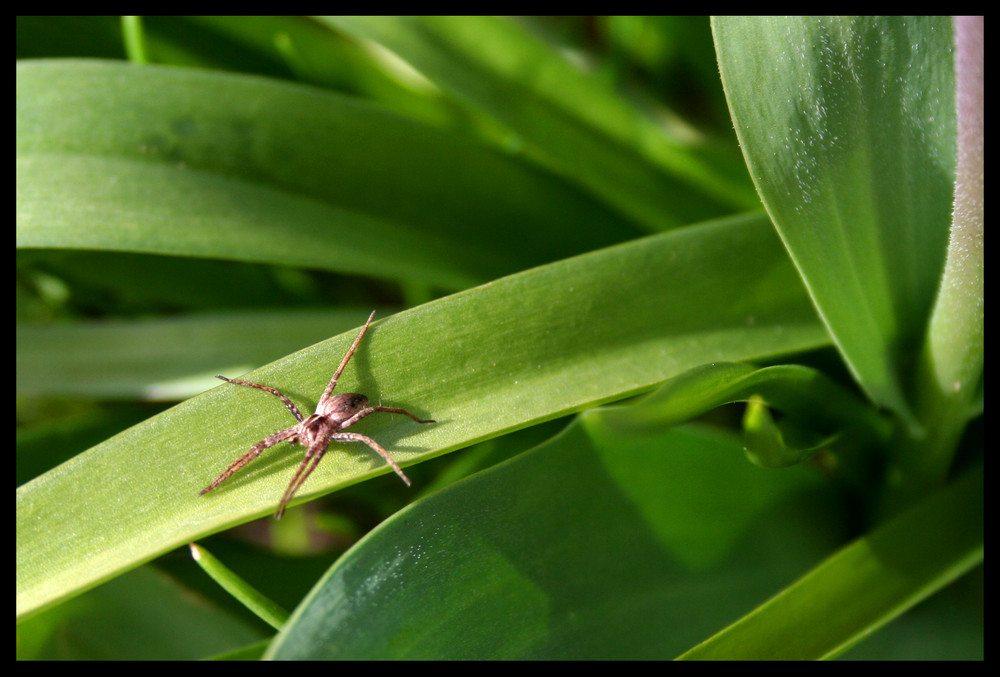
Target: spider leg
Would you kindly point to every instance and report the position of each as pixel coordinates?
(274, 391)
(355, 437)
(396, 410)
(249, 456)
(347, 357)
(371, 410)
(312, 458)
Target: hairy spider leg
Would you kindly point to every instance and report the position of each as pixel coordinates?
(389, 410)
(268, 389)
(312, 458)
(315, 454)
(249, 456)
(376, 447)
(343, 362)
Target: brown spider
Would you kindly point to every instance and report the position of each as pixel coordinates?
(333, 414)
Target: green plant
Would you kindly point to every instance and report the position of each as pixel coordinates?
(614, 258)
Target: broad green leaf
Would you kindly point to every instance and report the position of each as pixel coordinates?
(598, 544)
(571, 122)
(190, 163)
(864, 585)
(848, 128)
(497, 358)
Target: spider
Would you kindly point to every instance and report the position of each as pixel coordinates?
(333, 414)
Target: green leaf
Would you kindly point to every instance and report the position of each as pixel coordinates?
(570, 121)
(597, 544)
(191, 163)
(142, 615)
(848, 128)
(950, 375)
(144, 190)
(864, 585)
(765, 441)
(165, 359)
(816, 411)
(497, 358)
(270, 612)
(802, 393)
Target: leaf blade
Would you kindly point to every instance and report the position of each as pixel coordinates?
(497, 358)
(848, 128)
(864, 585)
(186, 162)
